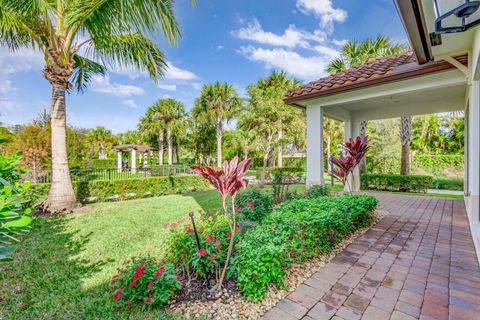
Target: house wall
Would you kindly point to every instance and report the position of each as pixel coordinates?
(472, 172)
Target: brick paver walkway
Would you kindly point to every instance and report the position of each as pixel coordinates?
(418, 262)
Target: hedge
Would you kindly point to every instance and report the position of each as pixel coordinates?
(131, 188)
(295, 231)
(438, 164)
(293, 171)
(394, 182)
(448, 183)
(101, 163)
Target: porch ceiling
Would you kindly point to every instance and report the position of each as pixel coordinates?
(441, 92)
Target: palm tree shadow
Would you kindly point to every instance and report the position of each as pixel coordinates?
(46, 270)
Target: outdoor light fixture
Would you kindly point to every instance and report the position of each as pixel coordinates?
(456, 15)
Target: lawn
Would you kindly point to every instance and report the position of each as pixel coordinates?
(62, 269)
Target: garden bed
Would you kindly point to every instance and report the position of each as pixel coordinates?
(194, 299)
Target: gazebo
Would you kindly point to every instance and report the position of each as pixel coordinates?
(143, 150)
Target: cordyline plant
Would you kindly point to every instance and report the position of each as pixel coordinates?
(343, 166)
(228, 180)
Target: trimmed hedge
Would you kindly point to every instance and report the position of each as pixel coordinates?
(269, 171)
(101, 163)
(394, 182)
(438, 164)
(295, 231)
(104, 190)
(448, 183)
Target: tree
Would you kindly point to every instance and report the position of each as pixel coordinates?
(153, 129)
(406, 140)
(101, 138)
(110, 32)
(217, 104)
(354, 53)
(33, 142)
(169, 112)
(274, 89)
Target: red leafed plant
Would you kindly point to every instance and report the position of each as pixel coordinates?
(343, 166)
(228, 180)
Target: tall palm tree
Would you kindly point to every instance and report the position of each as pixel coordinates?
(101, 138)
(153, 129)
(355, 53)
(170, 112)
(105, 33)
(218, 104)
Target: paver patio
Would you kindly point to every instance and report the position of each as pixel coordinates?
(418, 262)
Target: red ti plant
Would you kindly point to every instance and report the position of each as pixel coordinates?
(228, 180)
(343, 166)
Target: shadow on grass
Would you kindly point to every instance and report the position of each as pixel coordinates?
(45, 278)
(207, 200)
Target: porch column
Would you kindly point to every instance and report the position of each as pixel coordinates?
(314, 145)
(119, 161)
(352, 130)
(134, 160)
(472, 187)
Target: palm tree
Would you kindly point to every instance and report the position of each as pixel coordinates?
(218, 104)
(354, 53)
(101, 138)
(109, 32)
(406, 140)
(153, 129)
(170, 112)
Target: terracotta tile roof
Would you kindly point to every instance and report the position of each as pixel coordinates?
(388, 69)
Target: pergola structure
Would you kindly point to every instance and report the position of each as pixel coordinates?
(143, 150)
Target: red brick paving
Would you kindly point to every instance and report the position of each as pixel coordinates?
(418, 262)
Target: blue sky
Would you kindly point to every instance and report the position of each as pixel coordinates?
(236, 41)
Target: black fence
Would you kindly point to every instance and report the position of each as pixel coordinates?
(81, 175)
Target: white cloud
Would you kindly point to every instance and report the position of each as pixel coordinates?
(168, 87)
(130, 103)
(324, 10)
(305, 68)
(174, 73)
(291, 38)
(103, 85)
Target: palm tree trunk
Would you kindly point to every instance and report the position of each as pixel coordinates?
(219, 142)
(160, 148)
(61, 196)
(363, 163)
(406, 139)
(170, 146)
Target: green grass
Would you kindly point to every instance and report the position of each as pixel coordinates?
(63, 267)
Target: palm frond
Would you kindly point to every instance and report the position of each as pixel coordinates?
(130, 50)
(336, 66)
(83, 70)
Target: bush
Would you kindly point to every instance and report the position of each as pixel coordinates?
(146, 284)
(448, 183)
(318, 191)
(438, 164)
(269, 172)
(393, 182)
(254, 204)
(101, 163)
(295, 231)
(130, 188)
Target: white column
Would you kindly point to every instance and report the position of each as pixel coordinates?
(119, 161)
(472, 198)
(352, 130)
(134, 160)
(314, 145)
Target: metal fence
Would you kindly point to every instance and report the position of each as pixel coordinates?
(81, 175)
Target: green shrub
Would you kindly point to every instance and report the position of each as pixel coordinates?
(393, 182)
(448, 183)
(254, 203)
(438, 164)
(100, 163)
(295, 231)
(269, 172)
(145, 284)
(318, 191)
(130, 188)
